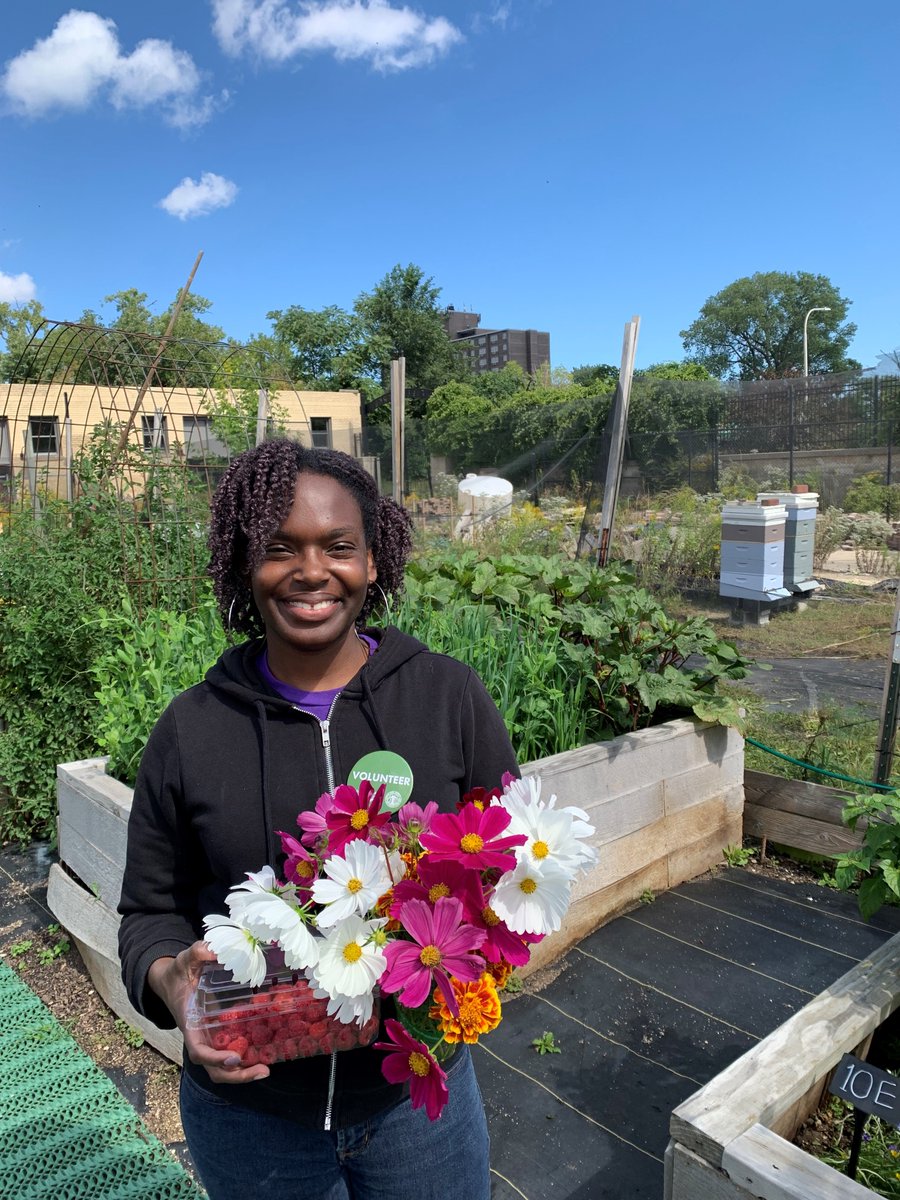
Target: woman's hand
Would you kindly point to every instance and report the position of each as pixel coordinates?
(174, 981)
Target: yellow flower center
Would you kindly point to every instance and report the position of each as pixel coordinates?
(354, 885)
(360, 819)
(540, 849)
(437, 892)
(489, 916)
(430, 956)
(471, 843)
(304, 869)
(353, 952)
(419, 1064)
(528, 886)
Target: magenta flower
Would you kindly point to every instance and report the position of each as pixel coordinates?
(355, 814)
(500, 942)
(315, 831)
(409, 1061)
(414, 821)
(441, 946)
(300, 867)
(436, 880)
(471, 837)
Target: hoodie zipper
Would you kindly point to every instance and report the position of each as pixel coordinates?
(325, 730)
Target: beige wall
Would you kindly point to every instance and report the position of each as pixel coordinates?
(336, 416)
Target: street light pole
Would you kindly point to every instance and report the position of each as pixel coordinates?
(806, 338)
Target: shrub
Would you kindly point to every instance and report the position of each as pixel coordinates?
(869, 494)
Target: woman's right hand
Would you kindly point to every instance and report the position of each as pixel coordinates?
(174, 980)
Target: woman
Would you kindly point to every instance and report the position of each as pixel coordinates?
(302, 548)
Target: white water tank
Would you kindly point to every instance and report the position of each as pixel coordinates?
(481, 497)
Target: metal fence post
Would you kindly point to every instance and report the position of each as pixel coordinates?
(791, 436)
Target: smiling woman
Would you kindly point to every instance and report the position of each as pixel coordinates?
(301, 546)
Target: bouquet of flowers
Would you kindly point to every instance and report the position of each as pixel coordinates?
(434, 909)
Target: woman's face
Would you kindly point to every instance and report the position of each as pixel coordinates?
(312, 582)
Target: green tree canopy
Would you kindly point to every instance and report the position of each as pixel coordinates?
(753, 329)
(324, 347)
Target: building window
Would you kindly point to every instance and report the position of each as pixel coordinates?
(320, 428)
(493, 337)
(156, 435)
(200, 443)
(44, 435)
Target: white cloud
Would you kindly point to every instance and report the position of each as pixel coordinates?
(16, 289)
(196, 198)
(82, 60)
(391, 38)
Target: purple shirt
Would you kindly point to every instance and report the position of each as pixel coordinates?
(317, 703)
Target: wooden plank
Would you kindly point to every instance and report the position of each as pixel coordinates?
(795, 796)
(688, 859)
(694, 1179)
(93, 825)
(803, 833)
(100, 874)
(762, 1084)
(766, 1166)
(94, 929)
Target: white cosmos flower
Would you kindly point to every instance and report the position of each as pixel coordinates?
(347, 1009)
(236, 949)
(532, 898)
(350, 960)
(352, 884)
(528, 790)
(554, 835)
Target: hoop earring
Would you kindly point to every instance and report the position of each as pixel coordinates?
(384, 599)
(230, 611)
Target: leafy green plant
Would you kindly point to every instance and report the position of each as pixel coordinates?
(150, 659)
(131, 1036)
(875, 866)
(17, 949)
(647, 896)
(870, 494)
(738, 856)
(546, 1043)
(878, 1168)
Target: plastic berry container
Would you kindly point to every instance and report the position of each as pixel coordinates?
(278, 1021)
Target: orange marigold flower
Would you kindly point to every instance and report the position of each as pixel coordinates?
(500, 973)
(479, 1010)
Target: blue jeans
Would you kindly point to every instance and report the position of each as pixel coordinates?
(240, 1153)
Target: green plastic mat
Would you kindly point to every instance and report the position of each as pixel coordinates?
(66, 1133)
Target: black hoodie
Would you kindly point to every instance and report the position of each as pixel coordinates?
(229, 763)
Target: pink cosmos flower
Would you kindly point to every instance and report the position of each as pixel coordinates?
(315, 831)
(480, 797)
(471, 837)
(414, 821)
(441, 946)
(300, 867)
(355, 814)
(500, 942)
(436, 880)
(409, 1061)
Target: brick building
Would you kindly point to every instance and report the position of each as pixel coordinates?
(491, 349)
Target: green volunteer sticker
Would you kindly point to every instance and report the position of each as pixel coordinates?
(385, 767)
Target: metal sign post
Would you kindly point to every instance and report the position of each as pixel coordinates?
(398, 427)
(617, 441)
(890, 702)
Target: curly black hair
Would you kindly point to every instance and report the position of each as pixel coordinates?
(256, 494)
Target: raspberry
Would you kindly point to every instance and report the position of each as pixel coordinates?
(297, 1026)
(268, 1054)
(259, 1034)
(345, 1038)
(319, 1030)
(289, 1048)
(260, 998)
(239, 1045)
(229, 1014)
(220, 1039)
(307, 1046)
(250, 1057)
(368, 1031)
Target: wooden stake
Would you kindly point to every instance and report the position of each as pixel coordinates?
(617, 440)
(164, 341)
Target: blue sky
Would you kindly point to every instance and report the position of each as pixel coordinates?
(555, 164)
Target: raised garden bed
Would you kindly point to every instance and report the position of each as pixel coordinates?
(730, 1139)
(664, 801)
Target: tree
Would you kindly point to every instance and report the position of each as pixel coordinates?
(324, 347)
(753, 329)
(401, 316)
(600, 376)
